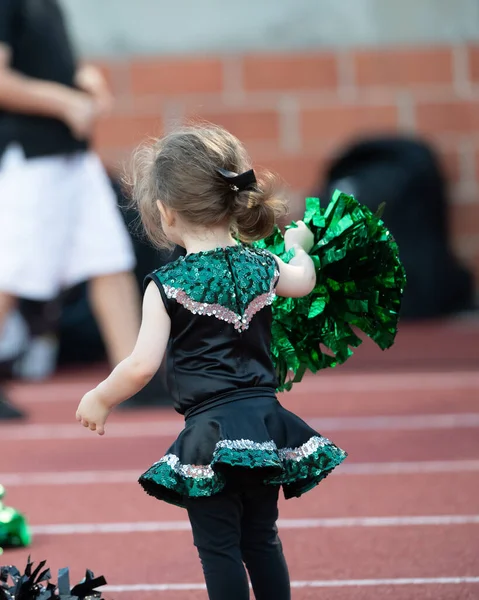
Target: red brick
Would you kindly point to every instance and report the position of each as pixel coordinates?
(290, 72)
(114, 159)
(113, 72)
(124, 131)
(477, 165)
(300, 173)
(468, 253)
(257, 125)
(447, 117)
(451, 163)
(176, 76)
(464, 219)
(346, 121)
(404, 67)
(473, 60)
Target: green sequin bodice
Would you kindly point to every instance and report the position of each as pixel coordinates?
(231, 284)
(220, 339)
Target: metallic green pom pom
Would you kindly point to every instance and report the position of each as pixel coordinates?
(360, 283)
(14, 529)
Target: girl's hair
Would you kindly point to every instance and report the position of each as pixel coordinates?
(180, 170)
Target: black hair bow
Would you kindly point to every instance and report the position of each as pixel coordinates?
(239, 183)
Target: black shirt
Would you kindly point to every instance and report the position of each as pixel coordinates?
(219, 305)
(35, 32)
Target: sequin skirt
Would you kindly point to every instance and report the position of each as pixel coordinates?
(252, 440)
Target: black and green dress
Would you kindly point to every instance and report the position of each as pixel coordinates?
(222, 378)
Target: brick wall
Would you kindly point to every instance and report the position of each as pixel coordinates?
(295, 110)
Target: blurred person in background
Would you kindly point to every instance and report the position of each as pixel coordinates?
(59, 219)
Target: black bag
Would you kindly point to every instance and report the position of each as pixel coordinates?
(405, 174)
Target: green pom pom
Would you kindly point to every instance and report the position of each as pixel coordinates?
(360, 282)
(14, 529)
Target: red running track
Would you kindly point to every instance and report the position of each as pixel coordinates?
(399, 520)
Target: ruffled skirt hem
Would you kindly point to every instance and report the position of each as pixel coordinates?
(297, 470)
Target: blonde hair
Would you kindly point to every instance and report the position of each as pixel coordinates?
(180, 170)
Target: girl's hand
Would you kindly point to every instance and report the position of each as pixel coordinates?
(93, 412)
(133, 373)
(299, 236)
(298, 277)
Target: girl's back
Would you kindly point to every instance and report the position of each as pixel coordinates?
(219, 305)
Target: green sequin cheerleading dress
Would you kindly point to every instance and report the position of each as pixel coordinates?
(222, 378)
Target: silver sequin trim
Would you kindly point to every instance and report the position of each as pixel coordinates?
(195, 471)
(305, 450)
(244, 445)
(205, 471)
(241, 323)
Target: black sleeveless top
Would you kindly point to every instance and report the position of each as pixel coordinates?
(219, 303)
(221, 375)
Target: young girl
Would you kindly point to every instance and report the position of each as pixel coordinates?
(210, 312)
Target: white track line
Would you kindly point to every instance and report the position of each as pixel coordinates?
(395, 422)
(56, 391)
(389, 382)
(325, 583)
(410, 468)
(53, 478)
(331, 523)
(22, 433)
(169, 428)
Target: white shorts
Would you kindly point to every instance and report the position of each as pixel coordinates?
(59, 224)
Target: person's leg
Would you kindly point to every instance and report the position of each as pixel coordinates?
(115, 304)
(216, 525)
(7, 410)
(32, 215)
(102, 253)
(7, 304)
(261, 547)
(42, 319)
(10, 346)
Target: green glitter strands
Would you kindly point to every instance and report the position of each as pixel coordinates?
(14, 530)
(360, 282)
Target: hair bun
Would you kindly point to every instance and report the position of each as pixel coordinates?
(256, 211)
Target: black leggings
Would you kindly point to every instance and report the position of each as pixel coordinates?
(232, 528)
